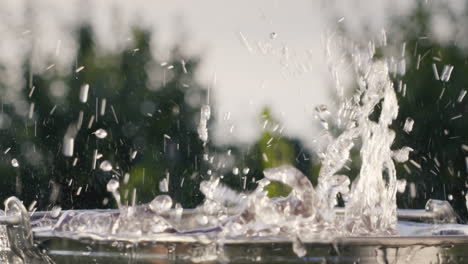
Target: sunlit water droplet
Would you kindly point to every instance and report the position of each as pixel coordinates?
(112, 185)
(401, 185)
(164, 185)
(84, 93)
(402, 155)
(14, 163)
(408, 127)
(55, 212)
(105, 166)
(161, 203)
(100, 133)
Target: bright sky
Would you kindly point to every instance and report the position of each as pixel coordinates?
(260, 53)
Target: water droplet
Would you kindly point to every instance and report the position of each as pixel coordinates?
(112, 185)
(466, 200)
(401, 185)
(55, 212)
(161, 203)
(68, 145)
(178, 210)
(235, 171)
(84, 93)
(246, 171)
(408, 125)
(14, 163)
(202, 219)
(100, 133)
(126, 178)
(202, 129)
(133, 155)
(164, 185)
(402, 155)
(273, 35)
(105, 166)
(450, 197)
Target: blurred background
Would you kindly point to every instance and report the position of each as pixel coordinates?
(126, 82)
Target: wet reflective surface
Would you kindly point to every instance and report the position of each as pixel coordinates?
(449, 249)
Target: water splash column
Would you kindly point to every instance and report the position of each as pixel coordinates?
(371, 208)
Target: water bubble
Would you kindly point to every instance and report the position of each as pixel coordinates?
(161, 203)
(112, 185)
(100, 133)
(55, 212)
(14, 163)
(105, 166)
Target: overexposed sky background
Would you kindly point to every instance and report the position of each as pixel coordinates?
(261, 53)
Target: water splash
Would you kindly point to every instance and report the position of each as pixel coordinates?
(205, 114)
(308, 212)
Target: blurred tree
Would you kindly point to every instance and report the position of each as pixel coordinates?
(148, 108)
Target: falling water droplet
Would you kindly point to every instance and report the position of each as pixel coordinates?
(84, 93)
(14, 163)
(105, 166)
(164, 185)
(55, 212)
(112, 185)
(408, 127)
(126, 178)
(100, 133)
(402, 155)
(178, 211)
(202, 129)
(235, 171)
(401, 185)
(450, 197)
(161, 203)
(466, 200)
